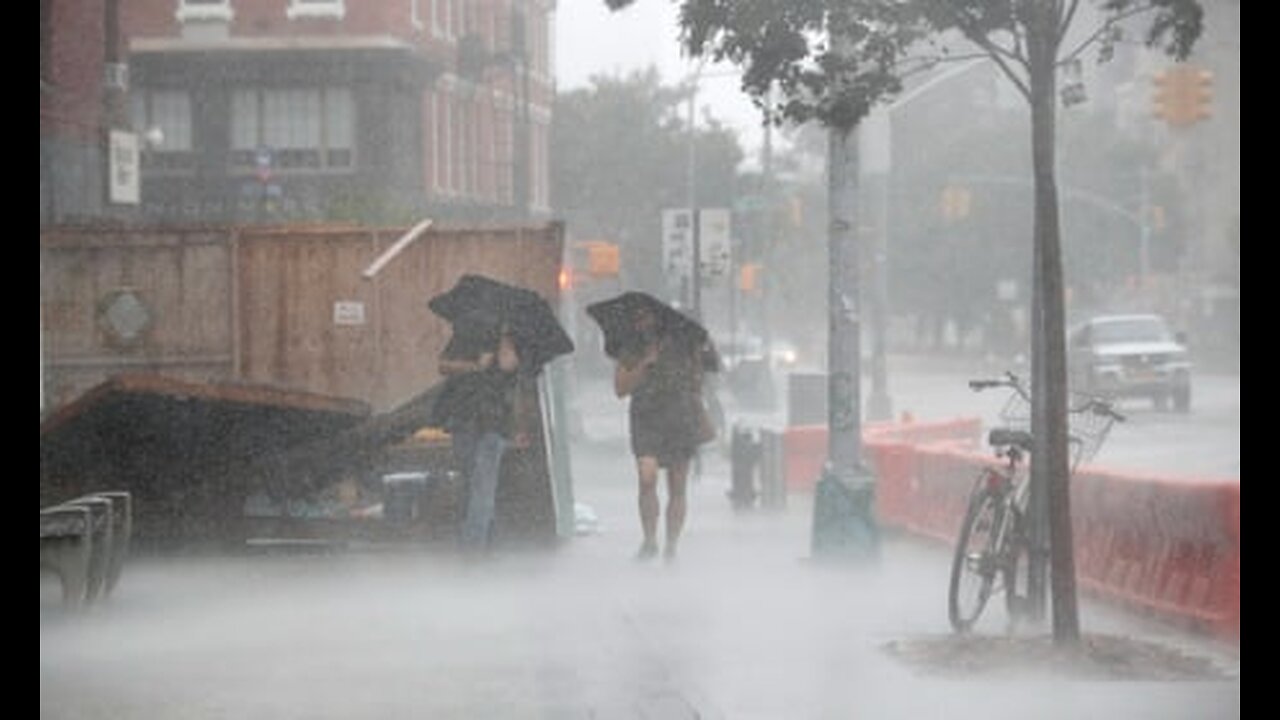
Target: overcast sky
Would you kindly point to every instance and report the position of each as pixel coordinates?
(592, 40)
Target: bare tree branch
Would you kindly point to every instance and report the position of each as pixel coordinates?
(1067, 19)
(1000, 55)
(1102, 29)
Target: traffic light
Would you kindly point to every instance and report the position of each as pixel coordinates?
(1183, 95)
(1156, 219)
(955, 202)
(1200, 89)
(603, 259)
(795, 211)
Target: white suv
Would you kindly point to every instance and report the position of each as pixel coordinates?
(1130, 355)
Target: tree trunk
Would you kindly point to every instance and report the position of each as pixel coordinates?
(1042, 51)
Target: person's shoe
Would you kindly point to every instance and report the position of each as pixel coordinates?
(648, 550)
(669, 553)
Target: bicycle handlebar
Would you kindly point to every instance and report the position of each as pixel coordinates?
(1098, 406)
(1009, 380)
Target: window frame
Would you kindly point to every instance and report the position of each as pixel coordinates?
(316, 9)
(243, 160)
(204, 10)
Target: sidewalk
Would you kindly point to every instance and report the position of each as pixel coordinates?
(742, 626)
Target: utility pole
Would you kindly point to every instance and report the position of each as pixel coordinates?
(769, 239)
(876, 139)
(843, 518)
(1144, 229)
(695, 263)
(874, 156)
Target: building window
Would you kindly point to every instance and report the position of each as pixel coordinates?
(415, 14)
(293, 129)
(168, 113)
(444, 144)
(442, 18)
(458, 129)
(316, 8)
(503, 149)
(204, 10)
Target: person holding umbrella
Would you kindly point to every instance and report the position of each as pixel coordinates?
(660, 356)
(478, 410)
(501, 335)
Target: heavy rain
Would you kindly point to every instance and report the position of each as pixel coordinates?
(639, 359)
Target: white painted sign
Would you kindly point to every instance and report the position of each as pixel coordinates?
(677, 241)
(124, 166)
(348, 312)
(713, 241)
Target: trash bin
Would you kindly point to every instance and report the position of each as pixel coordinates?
(400, 495)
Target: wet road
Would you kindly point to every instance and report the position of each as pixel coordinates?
(1203, 443)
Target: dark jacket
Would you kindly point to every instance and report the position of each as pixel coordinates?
(475, 401)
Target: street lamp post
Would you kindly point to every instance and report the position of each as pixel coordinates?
(844, 524)
(691, 189)
(876, 165)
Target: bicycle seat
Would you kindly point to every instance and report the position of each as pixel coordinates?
(1003, 437)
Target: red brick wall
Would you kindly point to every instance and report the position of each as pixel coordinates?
(267, 18)
(71, 108)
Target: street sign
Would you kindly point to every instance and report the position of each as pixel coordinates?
(125, 163)
(677, 242)
(713, 241)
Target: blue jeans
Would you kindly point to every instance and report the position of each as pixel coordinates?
(480, 457)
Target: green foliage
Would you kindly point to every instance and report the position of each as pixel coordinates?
(620, 156)
(792, 43)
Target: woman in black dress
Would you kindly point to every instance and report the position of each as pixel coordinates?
(664, 380)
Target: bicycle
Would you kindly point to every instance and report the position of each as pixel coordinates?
(994, 545)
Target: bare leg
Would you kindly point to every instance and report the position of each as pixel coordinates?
(677, 504)
(648, 501)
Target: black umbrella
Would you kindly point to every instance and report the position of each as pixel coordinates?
(617, 319)
(476, 304)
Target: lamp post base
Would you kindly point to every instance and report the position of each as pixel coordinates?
(844, 524)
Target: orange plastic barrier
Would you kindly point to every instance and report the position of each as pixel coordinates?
(894, 466)
(804, 447)
(1166, 546)
(965, 430)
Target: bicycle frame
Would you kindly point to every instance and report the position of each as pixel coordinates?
(998, 505)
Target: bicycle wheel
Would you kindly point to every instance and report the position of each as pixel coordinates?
(977, 560)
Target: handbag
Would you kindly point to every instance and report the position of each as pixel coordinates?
(706, 428)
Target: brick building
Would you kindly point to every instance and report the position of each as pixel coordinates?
(81, 95)
(375, 110)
